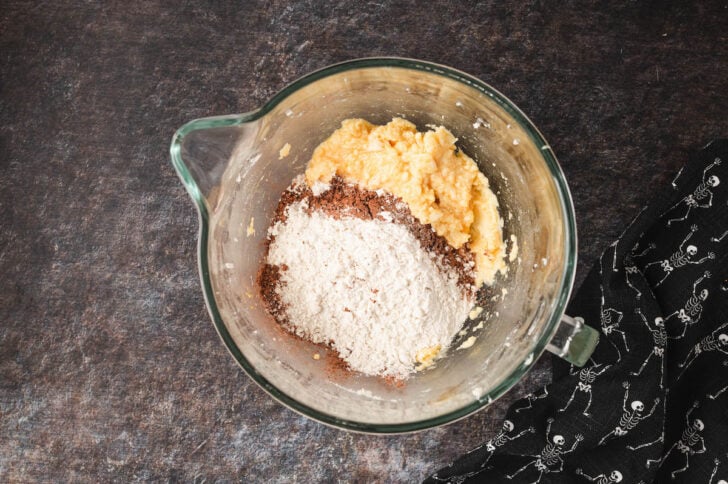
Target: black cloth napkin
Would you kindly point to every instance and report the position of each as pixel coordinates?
(652, 403)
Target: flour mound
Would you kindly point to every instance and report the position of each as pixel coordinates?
(367, 288)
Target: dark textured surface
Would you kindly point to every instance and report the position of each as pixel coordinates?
(109, 366)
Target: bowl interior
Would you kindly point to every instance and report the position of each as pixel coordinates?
(522, 307)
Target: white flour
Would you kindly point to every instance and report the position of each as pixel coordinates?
(367, 287)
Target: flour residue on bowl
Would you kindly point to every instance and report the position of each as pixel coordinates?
(380, 268)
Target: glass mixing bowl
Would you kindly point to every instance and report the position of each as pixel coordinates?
(231, 167)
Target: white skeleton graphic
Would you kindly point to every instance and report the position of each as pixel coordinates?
(610, 325)
(587, 375)
(500, 439)
(690, 443)
(661, 438)
(630, 254)
(693, 310)
(630, 268)
(716, 461)
(681, 258)
(630, 417)
(532, 398)
(549, 459)
(609, 318)
(717, 394)
(708, 343)
(614, 476)
(674, 181)
(701, 197)
(718, 239)
(659, 339)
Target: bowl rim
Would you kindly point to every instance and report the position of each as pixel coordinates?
(548, 156)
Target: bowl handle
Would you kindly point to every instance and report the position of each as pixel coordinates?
(573, 340)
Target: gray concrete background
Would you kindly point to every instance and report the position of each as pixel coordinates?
(109, 366)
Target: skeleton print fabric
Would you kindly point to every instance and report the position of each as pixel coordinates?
(652, 403)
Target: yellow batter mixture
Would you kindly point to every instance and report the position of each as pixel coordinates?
(441, 185)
